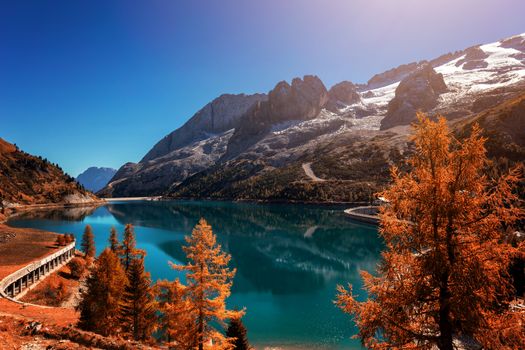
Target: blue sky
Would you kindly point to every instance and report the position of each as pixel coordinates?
(97, 83)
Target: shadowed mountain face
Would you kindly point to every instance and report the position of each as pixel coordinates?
(94, 179)
(195, 146)
(351, 133)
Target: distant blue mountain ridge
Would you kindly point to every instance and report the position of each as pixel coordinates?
(95, 178)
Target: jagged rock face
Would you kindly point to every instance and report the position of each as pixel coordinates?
(474, 58)
(262, 157)
(392, 75)
(196, 145)
(342, 95)
(216, 117)
(419, 91)
(302, 100)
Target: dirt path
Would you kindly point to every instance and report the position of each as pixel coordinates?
(307, 167)
(75, 297)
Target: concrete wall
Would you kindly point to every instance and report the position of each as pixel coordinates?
(364, 214)
(20, 282)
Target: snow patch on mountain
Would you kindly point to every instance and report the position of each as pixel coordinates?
(502, 69)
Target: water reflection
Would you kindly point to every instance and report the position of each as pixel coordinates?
(289, 258)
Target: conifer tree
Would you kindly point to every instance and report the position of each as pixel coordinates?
(208, 286)
(113, 241)
(88, 243)
(444, 273)
(137, 312)
(100, 300)
(128, 250)
(237, 332)
(176, 316)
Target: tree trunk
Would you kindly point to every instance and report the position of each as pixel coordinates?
(445, 327)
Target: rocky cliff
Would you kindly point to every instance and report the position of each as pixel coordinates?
(419, 91)
(349, 134)
(195, 146)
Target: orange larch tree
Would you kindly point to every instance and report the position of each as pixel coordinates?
(209, 281)
(444, 274)
(88, 243)
(176, 315)
(128, 250)
(113, 241)
(100, 300)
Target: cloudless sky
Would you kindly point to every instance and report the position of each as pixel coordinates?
(98, 83)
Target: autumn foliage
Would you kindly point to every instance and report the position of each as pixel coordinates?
(203, 298)
(88, 243)
(77, 267)
(113, 241)
(444, 273)
(137, 306)
(100, 304)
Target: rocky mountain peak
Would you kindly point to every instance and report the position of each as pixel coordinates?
(302, 100)
(95, 178)
(341, 95)
(418, 91)
(220, 115)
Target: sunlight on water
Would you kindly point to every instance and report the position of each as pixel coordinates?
(289, 259)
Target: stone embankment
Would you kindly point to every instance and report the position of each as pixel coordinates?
(368, 214)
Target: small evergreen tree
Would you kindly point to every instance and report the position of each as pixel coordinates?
(113, 241)
(68, 238)
(137, 312)
(209, 281)
(128, 251)
(100, 300)
(88, 243)
(237, 333)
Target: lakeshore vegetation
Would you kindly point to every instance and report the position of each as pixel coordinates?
(119, 299)
(447, 276)
(449, 231)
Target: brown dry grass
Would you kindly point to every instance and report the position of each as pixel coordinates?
(54, 290)
(28, 245)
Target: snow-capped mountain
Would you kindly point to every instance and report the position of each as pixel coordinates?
(254, 147)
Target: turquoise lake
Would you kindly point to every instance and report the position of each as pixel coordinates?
(289, 259)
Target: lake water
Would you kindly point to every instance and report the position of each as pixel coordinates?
(289, 259)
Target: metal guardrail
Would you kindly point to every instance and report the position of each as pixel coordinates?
(24, 271)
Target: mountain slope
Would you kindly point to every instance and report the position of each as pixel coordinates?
(26, 179)
(94, 178)
(350, 133)
(195, 146)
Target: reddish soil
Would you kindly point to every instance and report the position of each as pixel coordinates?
(15, 332)
(26, 246)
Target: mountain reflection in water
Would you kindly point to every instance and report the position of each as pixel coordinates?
(289, 258)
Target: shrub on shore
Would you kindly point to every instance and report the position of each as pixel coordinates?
(78, 267)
